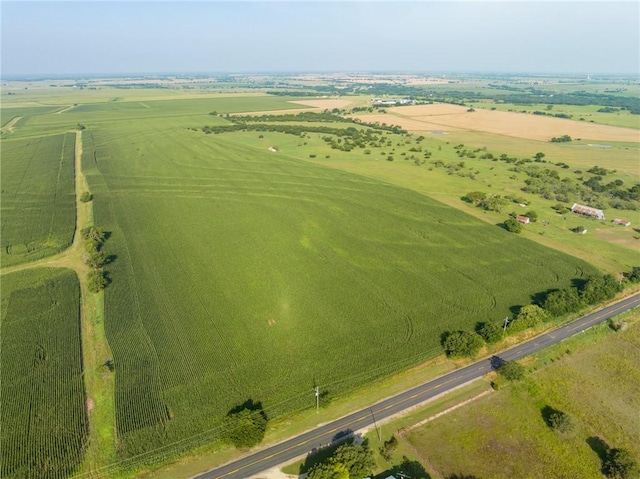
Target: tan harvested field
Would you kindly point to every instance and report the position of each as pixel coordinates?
(328, 103)
(444, 116)
(411, 124)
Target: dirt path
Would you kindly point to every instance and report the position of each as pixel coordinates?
(8, 128)
(70, 107)
(99, 382)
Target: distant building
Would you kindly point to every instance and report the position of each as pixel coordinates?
(588, 211)
(523, 219)
(618, 221)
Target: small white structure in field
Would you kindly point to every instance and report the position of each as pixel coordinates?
(523, 219)
(271, 148)
(618, 221)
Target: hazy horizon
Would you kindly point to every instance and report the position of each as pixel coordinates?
(41, 39)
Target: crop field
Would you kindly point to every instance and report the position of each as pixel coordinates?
(246, 273)
(596, 386)
(444, 117)
(42, 412)
(38, 197)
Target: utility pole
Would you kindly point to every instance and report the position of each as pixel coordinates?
(375, 425)
(506, 321)
(316, 389)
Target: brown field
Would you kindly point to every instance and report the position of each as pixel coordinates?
(328, 103)
(411, 124)
(446, 117)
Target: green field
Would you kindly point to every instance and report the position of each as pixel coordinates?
(236, 266)
(596, 385)
(38, 197)
(43, 404)
(243, 273)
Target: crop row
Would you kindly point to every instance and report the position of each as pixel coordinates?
(38, 197)
(245, 274)
(43, 407)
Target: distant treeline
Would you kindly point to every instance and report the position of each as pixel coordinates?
(305, 116)
(504, 93)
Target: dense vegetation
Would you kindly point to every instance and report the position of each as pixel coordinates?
(42, 412)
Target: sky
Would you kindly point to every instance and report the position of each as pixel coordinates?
(117, 37)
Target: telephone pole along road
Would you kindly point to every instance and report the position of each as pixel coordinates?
(324, 435)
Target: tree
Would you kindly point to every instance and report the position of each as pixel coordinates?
(532, 215)
(97, 259)
(511, 371)
(491, 332)
(474, 197)
(459, 344)
(620, 464)
(494, 203)
(538, 156)
(529, 316)
(599, 288)
(96, 280)
(562, 301)
(512, 225)
(86, 197)
(245, 427)
(348, 461)
(561, 422)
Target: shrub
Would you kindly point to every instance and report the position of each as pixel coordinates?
(562, 301)
(86, 197)
(511, 371)
(561, 422)
(512, 225)
(491, 333)
(459, 344)
(245, 427)
(529, 316)
(620, 464)
(96, 280)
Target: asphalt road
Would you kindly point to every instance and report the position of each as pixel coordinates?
(324, 435)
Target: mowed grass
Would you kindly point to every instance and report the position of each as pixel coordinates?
(242, 273)
(505, 433)
(38, 197)
(42, 412)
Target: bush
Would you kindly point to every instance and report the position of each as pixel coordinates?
(529, 316)
(511, 371)
(513, 226)
(562, 301)
(491, 333)
(460, 344)
(86, 197)
(96, 280)
(245, 427)
(620, 464)
(561, 422)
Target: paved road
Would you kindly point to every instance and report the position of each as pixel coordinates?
(324, 435)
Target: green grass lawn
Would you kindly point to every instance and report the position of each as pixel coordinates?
(593, 378)
(43, 405)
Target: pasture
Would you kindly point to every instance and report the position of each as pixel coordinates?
(42, 412)
(38, 197)
(595, 385)
(243, 273)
